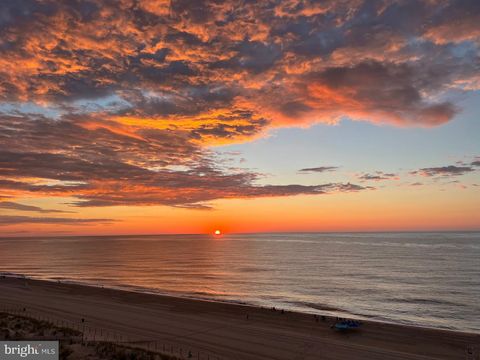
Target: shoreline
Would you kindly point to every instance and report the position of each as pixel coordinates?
(321, 310)
(172, 295)
(235, 331)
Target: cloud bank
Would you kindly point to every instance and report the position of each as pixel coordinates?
(117, 102)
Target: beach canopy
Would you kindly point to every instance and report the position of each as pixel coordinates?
(347, 325)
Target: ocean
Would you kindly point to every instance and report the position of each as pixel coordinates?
(424, 279)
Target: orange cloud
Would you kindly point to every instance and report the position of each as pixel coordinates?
(134, 92)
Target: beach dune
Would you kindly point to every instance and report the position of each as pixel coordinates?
(228, 331)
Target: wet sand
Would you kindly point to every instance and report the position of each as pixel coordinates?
(224, 331)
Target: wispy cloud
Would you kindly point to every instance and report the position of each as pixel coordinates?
(319, 169)
(450, 170)
(378, 176)
(415, 184)
(15, 220)
(10, 205)
(100, 164)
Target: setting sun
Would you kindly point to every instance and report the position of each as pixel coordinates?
(218, 232)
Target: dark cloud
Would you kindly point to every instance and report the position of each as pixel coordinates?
(416, 184)
(378, 176)
(191, 100)
(295, 108)
(319, 169)
(171, 72)
(81, 141)
(251, 55)
(6, 220)
(450, 170)
(10, 205)
(198, 12)
(393, 90)
(321, 42)
(226, 130)
(198, 198)
(99, 163)
(455, 21)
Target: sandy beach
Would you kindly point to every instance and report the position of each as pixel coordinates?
(224, 330)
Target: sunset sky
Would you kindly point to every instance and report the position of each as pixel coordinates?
(145, 117)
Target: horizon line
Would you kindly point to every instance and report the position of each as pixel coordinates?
(253, 233)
